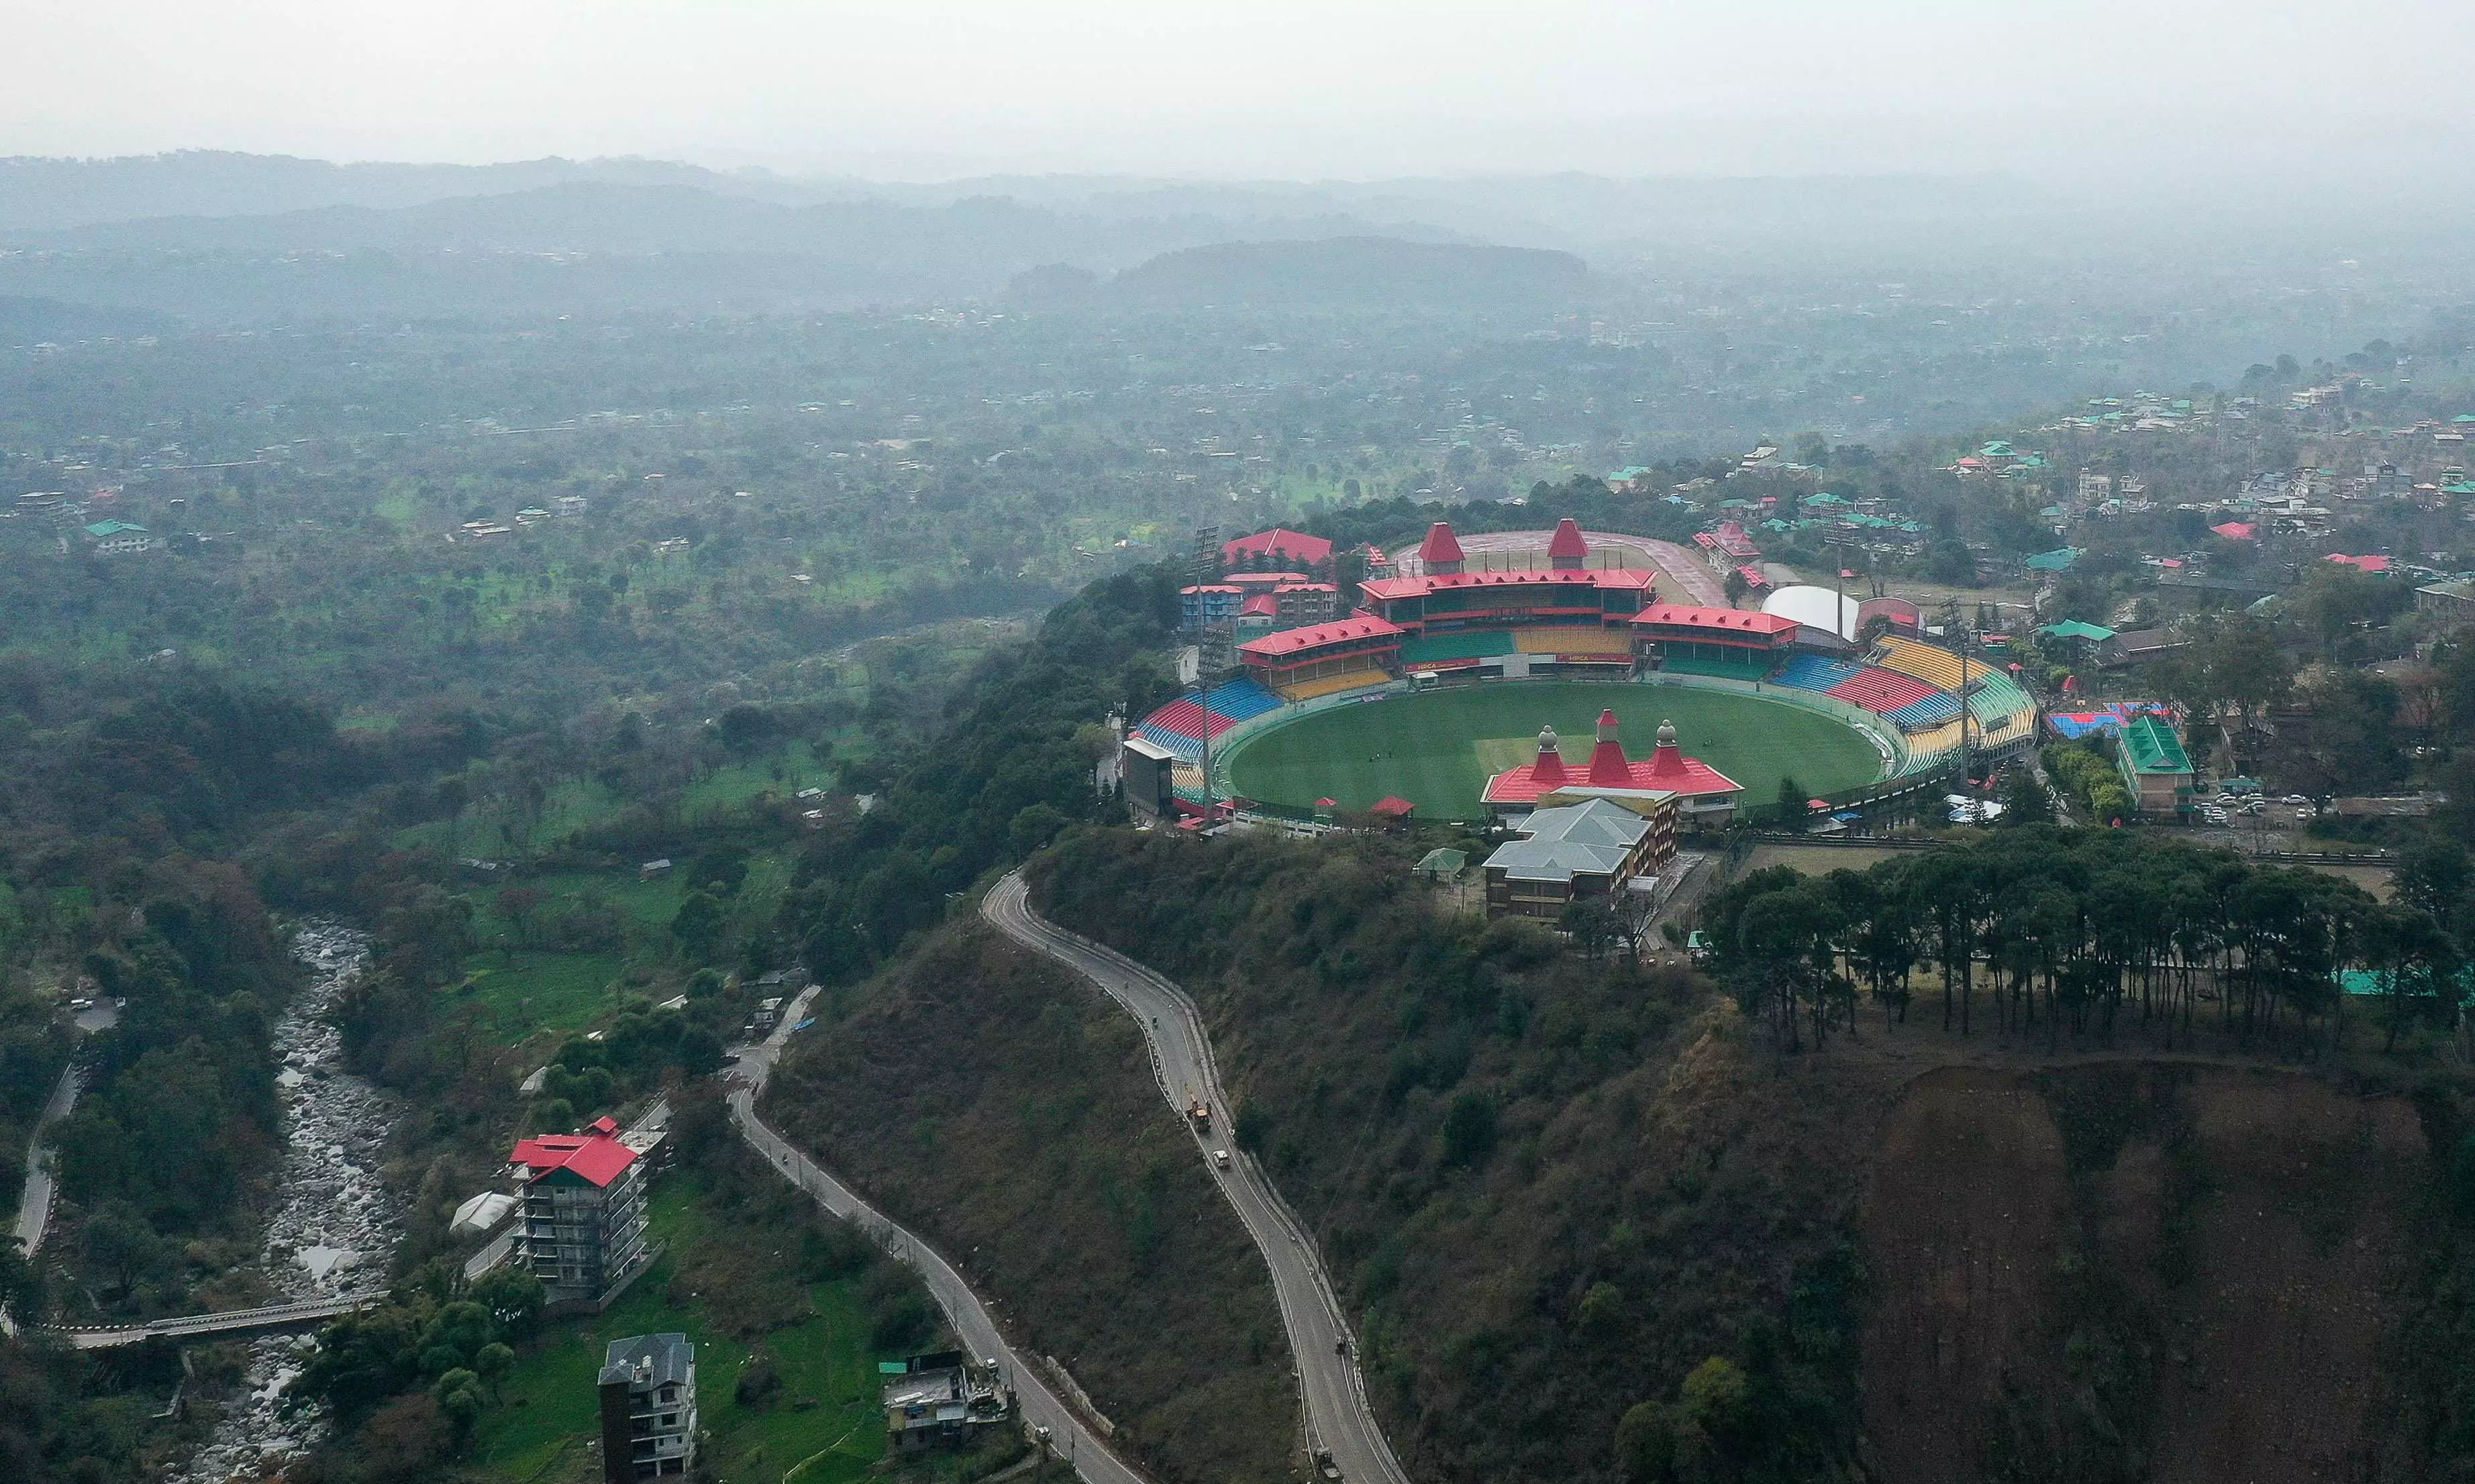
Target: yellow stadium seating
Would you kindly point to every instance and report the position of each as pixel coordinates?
(1572, 641)
(2004, 730)
(1942, 738)
(1934, 666)
(1333, 685)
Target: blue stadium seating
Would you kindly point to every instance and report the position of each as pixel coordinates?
(1239, 699)
(1924, 714)
(1814, 672)
(1184, 748)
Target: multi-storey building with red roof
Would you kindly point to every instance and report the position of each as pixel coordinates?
(580, 1227)
(1737, 643)
(1323, 658)
(1447, 598)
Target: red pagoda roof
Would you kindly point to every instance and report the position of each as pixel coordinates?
(1440, 544)
(1567, 542)
(1316, 635)
(1666, 769)
(1279, 542)
(596, 1154)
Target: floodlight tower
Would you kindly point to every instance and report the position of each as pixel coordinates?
(1959, 639)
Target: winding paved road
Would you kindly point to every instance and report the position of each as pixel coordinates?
(1337, 1415)
(1070, 1436)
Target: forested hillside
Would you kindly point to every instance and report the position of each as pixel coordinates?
(1552, 1188)
(1602, 1221)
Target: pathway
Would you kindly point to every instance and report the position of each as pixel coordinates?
(1338, 1417)
(34, 1198)
(1070, 1435)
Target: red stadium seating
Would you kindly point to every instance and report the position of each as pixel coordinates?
(1879, 690)
(1188, 719)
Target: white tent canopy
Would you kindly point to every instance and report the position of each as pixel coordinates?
(481, 1213)
(1810, 607)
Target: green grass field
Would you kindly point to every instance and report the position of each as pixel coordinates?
(1438, 748)
(537, 1435)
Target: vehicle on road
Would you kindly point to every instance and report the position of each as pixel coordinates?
(1220, 1157)
(1325, 1467)
(1201, 1112)
(2294, 799)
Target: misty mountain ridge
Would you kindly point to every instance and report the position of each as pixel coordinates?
(1571, 210)
(44, 194)
(599, 217)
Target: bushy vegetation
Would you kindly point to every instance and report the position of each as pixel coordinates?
(2083, 771)
(1008, 1113)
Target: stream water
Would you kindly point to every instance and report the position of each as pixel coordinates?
(334, 1223)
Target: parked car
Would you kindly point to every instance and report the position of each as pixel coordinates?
(2294, 799)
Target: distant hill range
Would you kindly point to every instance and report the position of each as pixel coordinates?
(33, 320)
(44, 194)
(1372, 272)
(220, 237)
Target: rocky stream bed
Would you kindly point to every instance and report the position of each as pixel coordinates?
(334, 1223)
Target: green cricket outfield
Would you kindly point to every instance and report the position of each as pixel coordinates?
(1437, 748)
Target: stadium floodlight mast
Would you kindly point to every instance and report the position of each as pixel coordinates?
(1953, 625)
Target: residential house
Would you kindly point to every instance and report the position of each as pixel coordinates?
(115, 537)
(941, 1400)
(648, 1408)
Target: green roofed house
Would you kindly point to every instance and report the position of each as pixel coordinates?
(2155, 769)
(2074, 628)
(1443, 864)
(2058, 560)
(110, 538)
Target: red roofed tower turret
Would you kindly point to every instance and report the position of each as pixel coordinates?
(1610, 768)
(1548, 773)
(1566, 551)
(1440, 554)
(1666, 761)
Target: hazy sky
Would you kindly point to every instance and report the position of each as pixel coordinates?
(1334, 87)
